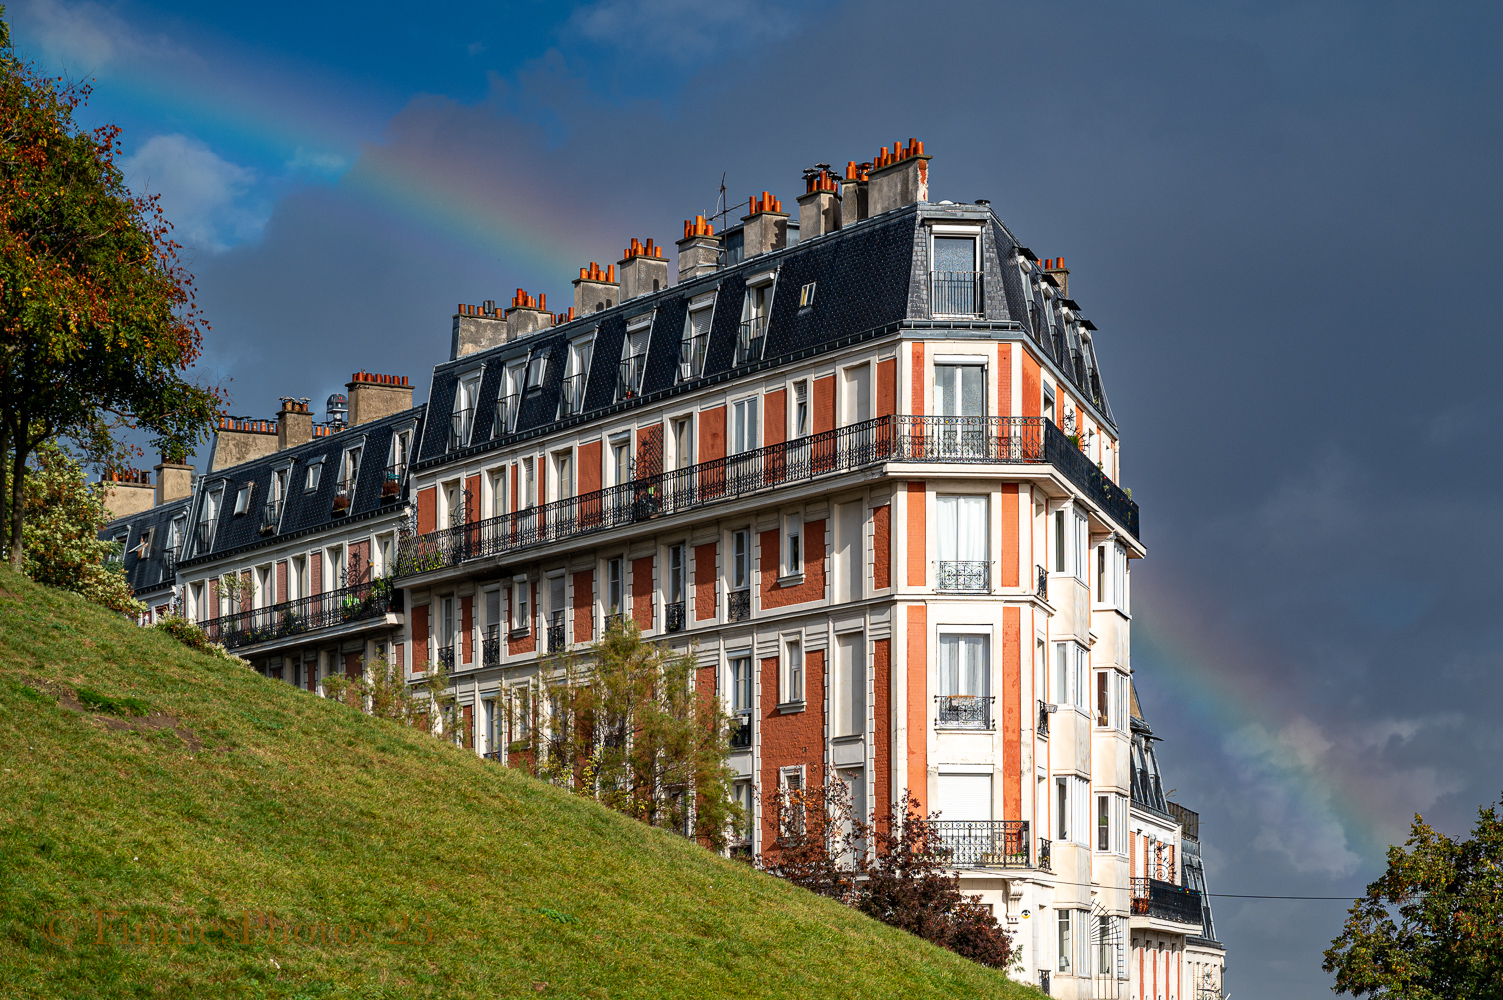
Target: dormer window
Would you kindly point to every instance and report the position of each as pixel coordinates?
(696, 341)
(633, 362)
(572, 391)
(537, 371)
(754, 314)
(462, 420)
(512, 384)
(806, 296)
(955, 277)
(242, 499)
(315, 475)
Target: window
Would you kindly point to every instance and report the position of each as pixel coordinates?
(1065, 945)
(962, 545)
(800, 409)
(753, 324)
(401, 448)
(614, 585)
(793, 554)
(1048, 402)
(744, 798)
(521, 713)
(621, 459)
(806, 296)
(857, 403)
(960, 390)
(446, 622)
(675, 574)
(315, 473)
(633, 363)
(740, 560)
(537, 370)
(297, 577)
(741, 684)
(695, 343)
(498, 491)
(1103, 822)
(350, 469)
(521, 618)
(572, 391)
(1071, 538)
(744, 425)
(1059, 541)
(792, 781)
(1070, 660)
(850, 684)
(683, 442)
(530, 481)
(242, 499)
(964, 675)
(514, 380)
(791, 686)
(1082, 543)
(1072, 811)
(462, 420)
(1111, 575)
(563, 474)
(954, 284)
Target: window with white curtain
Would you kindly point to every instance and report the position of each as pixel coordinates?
(962, 543)
(960, 390)
(964, 668)
(1070, 684)
(744, 425)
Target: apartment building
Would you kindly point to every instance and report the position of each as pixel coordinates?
(856, 456)
(150, 523)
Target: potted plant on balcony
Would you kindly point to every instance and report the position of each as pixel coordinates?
(390, 486)
(341, 504)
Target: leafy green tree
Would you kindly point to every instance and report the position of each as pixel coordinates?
(97, 319)
(63, 549)
(1432, 926)
(624, 725)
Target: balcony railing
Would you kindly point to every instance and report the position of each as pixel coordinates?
(1041, 589)
(691, 356)
(271, 516)
(1009, 440)
(965, 575)
(490, 647)
(1043, 855)
(556, 632)
(984, 843)
(459, 427)
(964, 711)
(446, 656)
(169, 561)
(344, 495)
(956, 293)
(738, 606)
(629, 376)
(504, 420)
(615, 620)
(673, 616)
(741, 731)
(306, 614)
(1043, 727)
(572, 393)
(203, 536)
(1165, 900)
(391, 482)
(749, 340)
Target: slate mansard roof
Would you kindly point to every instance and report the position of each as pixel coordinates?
(304, 511)
(157, 568)
(870, 277)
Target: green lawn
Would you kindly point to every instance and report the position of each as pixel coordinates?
(132, 849)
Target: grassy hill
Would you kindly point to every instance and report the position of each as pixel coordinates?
(151, 798)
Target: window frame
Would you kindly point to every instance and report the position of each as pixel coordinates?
(792, 547)
(791, 671)
(743, 436)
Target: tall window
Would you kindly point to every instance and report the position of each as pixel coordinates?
(696, 341)
(740, 560)
(962, 543)
(463, 418)
(633, 363)
(621, 460)
(792, 681)
(960, 390)
(614, 586)
(563, 472)
(741, 684)
(521, 611)
(858, 394)
(954, 282)
(745, 799)
(964, 668)
(1070, 664)
(800, 426)
(793, 552)
(1072, 811)
(446, 622)
(850, 684)
(753, 324)
(675, 574)
(1072, 535)
(530, 481)
(683, 442)
(401, 445)
(744, 425)
(1065, 940)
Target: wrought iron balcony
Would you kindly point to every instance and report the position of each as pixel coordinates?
(271, 516)
(966, 575)
(738, 606)
(956, 293)
(459, 428)
(964, 711)
(741, 731)
(490, 647)
(1043, 727)
(984, 843)
(691, 356)
(505, 419)
(629, 376)
(344, 495)
(1043, 854)
(446, 656)
(391, 483)
(572, 394)
(304, 615)
(203, 536)
(1041, 589)
(1005, 440)
(169, 561)
(1156, 898)
(673, 616)
(749, 340)
(615, 620)
(556, 632)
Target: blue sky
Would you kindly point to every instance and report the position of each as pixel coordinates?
(1282, 217)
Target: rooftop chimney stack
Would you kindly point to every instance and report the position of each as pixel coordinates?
(699, 250)
(527, 314)
(765, 226)
(127, 492)
(294, 423)
(174, 480)
(372, 397)
(595, 289)
(644, 269)
(477, 328)
(241, 439)
(1056, 269)
(899, 176)
(853, 192)
(819, 206)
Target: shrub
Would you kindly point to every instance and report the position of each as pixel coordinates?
(190, 635)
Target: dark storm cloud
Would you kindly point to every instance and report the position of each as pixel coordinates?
(1283, 218)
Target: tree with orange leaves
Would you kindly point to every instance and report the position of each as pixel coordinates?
(98, 325)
